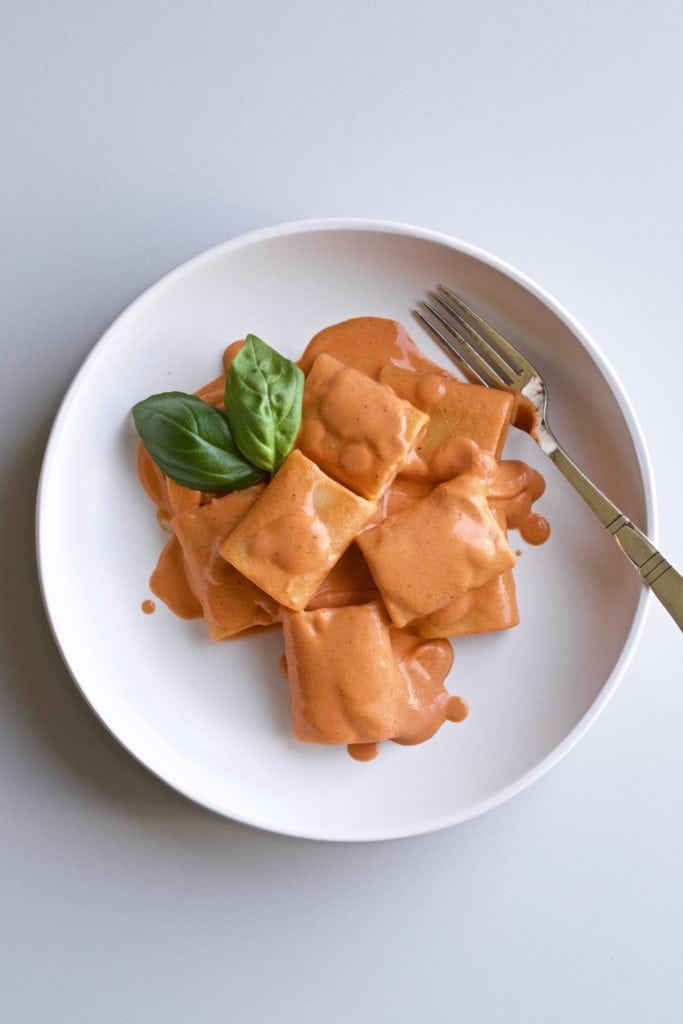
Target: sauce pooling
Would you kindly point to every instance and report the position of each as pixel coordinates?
(369, 343)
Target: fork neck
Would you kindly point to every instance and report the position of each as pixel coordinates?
(606, 511)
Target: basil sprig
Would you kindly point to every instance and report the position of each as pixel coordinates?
(191, 442)
(206, 449)
(263, 394)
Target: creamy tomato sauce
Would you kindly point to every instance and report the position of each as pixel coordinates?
(355, 679)
(363, 751)
(384, 534)
(170, 583)
(368, 343)
(457, 710)
(353, 428)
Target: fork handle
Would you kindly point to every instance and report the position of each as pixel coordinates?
(655, 572)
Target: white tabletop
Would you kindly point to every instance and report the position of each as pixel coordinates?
(137, 134)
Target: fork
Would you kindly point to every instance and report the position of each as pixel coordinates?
(477, 346)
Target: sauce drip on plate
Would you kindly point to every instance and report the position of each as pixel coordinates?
(363, 751)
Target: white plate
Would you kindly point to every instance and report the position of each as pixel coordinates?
(213, 720)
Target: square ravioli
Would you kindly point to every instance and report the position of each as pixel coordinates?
(230, 602)
(485, 609)
(455, 410)
(345, 684)
(355, 429)
(426, 556)
(296, 531)
(355, 679)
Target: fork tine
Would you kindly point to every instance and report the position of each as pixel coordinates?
(456, 344)
(517, 361)
(455, 348)
(490, 355)
(438, 330)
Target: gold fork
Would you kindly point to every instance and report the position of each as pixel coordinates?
(472, 341)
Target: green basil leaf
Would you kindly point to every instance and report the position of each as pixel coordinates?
(191, 442)
(263, 394)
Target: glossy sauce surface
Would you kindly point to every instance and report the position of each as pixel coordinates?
(355, 429)
(457, 710)
(513, 490)
(296, 532)
(431, 553)
(455, 409)
(363, 751)
(384, 350)
(230, 602)
(169, 582)
(356, 680)
(153, 481)
(428, 449)
(368, 343)
(349, 582)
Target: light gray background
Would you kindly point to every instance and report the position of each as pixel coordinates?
(135, 134)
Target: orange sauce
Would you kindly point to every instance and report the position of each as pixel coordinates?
(230, 353)
(363, 751)
(169, 582)
(524, 415)
(534, 528)
(369, 343)
(148, 606)
(457, 710)
(427, 448)
(513, 491)
(213, 392)
(355, 679)
(153, 481)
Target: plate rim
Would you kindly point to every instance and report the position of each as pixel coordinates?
(650, 526)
